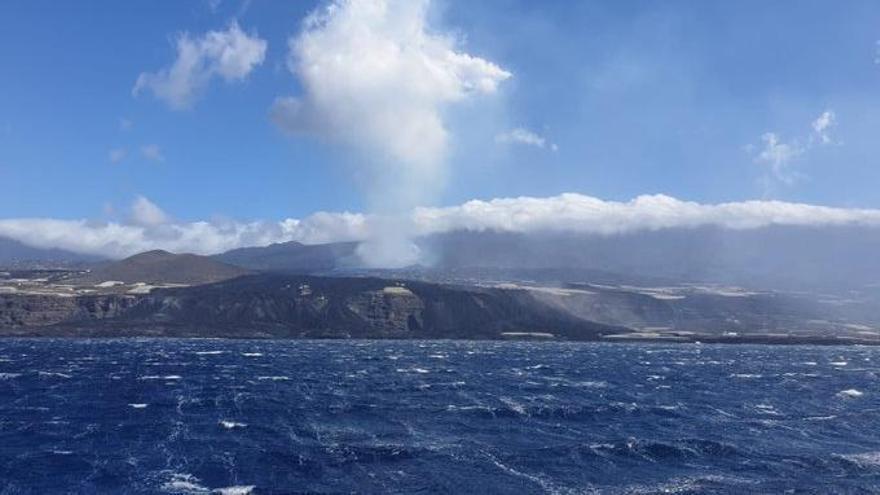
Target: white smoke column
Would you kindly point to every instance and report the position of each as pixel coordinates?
(376, 78)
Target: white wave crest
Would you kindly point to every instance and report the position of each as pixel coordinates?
(230, 425)
(850, 392)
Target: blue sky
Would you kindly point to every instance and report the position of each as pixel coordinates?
(639, 98)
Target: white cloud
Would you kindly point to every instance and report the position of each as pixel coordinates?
(377, 77)
(822, 125)
(150, 228)
(230, 55)
(152, 152)
(116, 155)
(580, 213)
(779, 156)
(146, 213)
(526, 137)
(125, 124)
(118, 240)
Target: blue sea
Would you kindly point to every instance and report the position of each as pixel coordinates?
(284, 417)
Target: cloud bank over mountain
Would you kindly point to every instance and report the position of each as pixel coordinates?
(150, 227)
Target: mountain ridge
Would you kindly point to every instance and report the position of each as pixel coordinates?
(162, 267)
(18, 255)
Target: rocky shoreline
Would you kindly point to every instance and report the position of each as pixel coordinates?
(278, 306)
(275, 305)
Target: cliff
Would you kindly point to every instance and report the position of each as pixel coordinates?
(282, 306)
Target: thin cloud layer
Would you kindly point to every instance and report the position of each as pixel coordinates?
(525, 137)
(822, 125)
(780, 156)
(116, 155)
(229, 55)
(151, 228)
(152, 152)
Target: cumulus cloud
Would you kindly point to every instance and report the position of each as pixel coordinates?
(151, 228)
(116, 155)
(152, 152)
(779, 156)
(377, 77)
(525, 137)
(230, 55)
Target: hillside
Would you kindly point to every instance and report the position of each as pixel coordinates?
(283, 306)
(162, 267)
(790, 258)
(293, 257)
(270, 305)
(832, 258)
(17, 255)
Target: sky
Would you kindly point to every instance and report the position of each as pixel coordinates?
(209, 124)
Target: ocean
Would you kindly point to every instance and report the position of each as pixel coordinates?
(284, 417)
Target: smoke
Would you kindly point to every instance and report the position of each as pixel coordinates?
(377, 78)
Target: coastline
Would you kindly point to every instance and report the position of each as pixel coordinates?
(695, 339)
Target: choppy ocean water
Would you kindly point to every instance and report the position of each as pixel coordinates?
(278, 417)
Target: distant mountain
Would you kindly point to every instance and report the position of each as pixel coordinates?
(778, 257)
(826, 258)
(14, 254)
(293, 257)
(162, 267)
